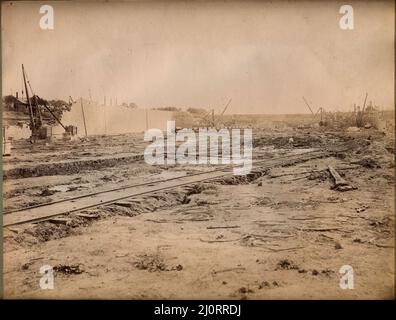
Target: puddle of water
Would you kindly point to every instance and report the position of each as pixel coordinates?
(66, 188)
(168, 175)
(61, 188)
(299, 151)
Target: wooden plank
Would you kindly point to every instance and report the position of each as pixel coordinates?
(338, 180)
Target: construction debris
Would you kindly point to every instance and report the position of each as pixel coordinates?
(368, 163)
(340, 184)
(68, 269)
(104, 194)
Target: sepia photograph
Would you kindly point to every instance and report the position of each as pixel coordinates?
(198, 150)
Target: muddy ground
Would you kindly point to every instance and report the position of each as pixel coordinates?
(283, 235)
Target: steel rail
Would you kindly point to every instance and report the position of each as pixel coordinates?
(155, 187)
(143, 184)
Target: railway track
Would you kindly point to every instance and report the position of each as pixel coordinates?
(48, 211)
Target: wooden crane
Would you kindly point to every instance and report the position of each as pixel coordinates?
(36, 122)
(212, 122)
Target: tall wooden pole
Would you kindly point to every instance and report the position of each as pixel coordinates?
(55, 117)
(147, 123)
(362, 113)
(105, 118)
(364, 104)
(83, 114)
(306, 102)
(32, 122)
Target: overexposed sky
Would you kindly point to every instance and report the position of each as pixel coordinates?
(263, 55)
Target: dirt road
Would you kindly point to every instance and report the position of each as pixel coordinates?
(284, 235)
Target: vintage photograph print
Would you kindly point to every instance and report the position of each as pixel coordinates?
(198, 150)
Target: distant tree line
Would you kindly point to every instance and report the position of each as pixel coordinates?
(173, 109)
(199, 111)
(196, 110)
(56, 106)
(131, 105)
